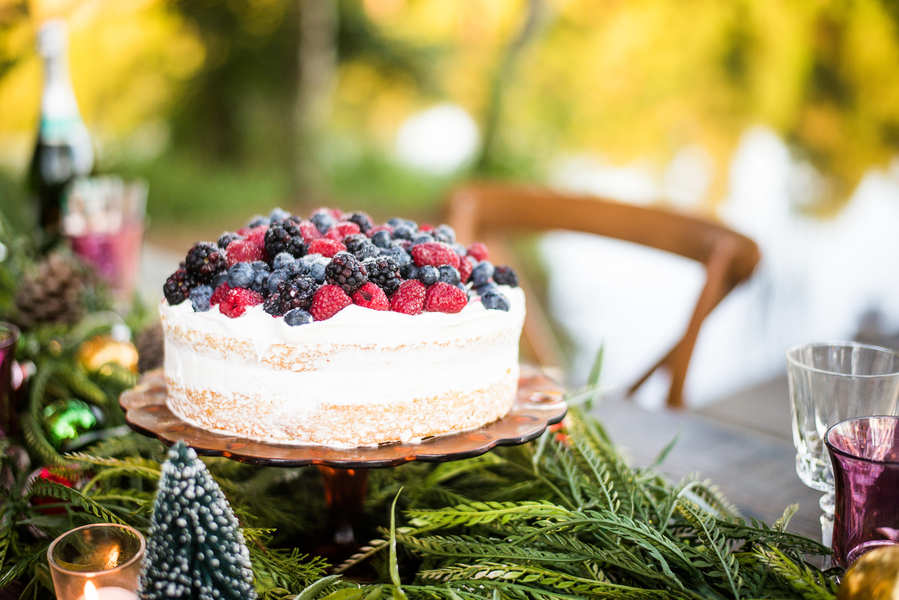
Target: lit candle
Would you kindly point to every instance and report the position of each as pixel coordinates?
(91, 592)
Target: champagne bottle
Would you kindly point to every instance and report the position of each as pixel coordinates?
(63, 149)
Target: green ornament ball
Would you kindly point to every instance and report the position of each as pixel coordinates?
(66, 420)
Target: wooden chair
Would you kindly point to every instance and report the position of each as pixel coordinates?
(490, 212)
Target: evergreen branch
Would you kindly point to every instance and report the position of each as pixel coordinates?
(75, 380)
(67, 494)
(478, 513)
(763, 534)
(470, 547)
(317, 587)
(808, 582)
(37, 441)
(715, 545)
(280, 568)
(133, 470)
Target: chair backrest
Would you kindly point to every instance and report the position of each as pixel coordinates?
(491, 211)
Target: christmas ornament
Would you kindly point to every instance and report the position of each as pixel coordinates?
(195, 548)
(54, 292)
(102, 349)
(54, 476)
(66, 420)
(874, 576)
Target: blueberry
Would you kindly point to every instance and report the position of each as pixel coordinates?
(495, 301)
(258, 220)
(504, 275)
(278, 214)
(277, 276)
(317, 270)
(199, 298)
(409, 271)
(450, 274)
(260, 280)
(459, 249)
(282, 260)
(241, 275)
(401, 257)
(367, 250)
(381, 239)
(422, 238)
(322, 221)
(481, 273)
(397, 222)
(487, 288)
(428, 275)
(300, 267)
(445, 233)
(297, 316)
(219, 279)
(260, 265)
(403, 232)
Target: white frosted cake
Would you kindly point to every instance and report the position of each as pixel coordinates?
(363, 351)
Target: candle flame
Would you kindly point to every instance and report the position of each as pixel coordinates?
(112, 559)
(90, 591)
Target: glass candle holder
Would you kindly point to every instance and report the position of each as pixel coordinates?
(865, 455)
(97, 562)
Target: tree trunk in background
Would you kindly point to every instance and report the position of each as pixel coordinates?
(317, 61)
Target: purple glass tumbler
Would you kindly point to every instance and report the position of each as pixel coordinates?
(865, 455)
(9, 338)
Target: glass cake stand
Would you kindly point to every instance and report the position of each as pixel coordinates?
(539, 403)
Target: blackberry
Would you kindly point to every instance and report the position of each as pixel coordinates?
(177, 287)
(291, 294)
(383, 272)
(362, 220)
(381, 239)
(481, 273)
(226, 238)
(505, 275)
(428, 275)
(199, 298)
(322, 221)
(284, 236)
(355, 241)
(346, 271)
(204, 261)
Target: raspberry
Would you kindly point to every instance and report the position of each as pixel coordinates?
(328, 301)
(310, 232)
(445, 298)
(426, 227)
(238, 299)
(243, 251)
(371, 296)
(505, 275)
(409, 299)
(177, 287)
(343, 229)
(466, 265)
(325, 247)
(436, 254)
(220, 293)
(284, 236)
(204, 261)
(346, 271)
(479, 251)
(257, 235)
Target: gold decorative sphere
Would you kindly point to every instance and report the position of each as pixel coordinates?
(874, 576)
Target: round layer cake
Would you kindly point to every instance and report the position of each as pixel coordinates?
(351, 354)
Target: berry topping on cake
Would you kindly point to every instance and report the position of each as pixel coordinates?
(428, 275)
(371, 296)
(226, 238)
(445, 298)
(219, 295)
(466, 266)
(243, 250)
(409, 298)
(241, 275)
(478, 251)
(450, 275)
(482, 273)
(205, 260)
(238, 299)
(383, 272)
(505, 275)
(436, 254)
(326, 247)
(328, 301)
(291, 294)
(285, 236)
(177, 287)
(323, 221)
(346, 271)
(495, 301)
(297, 316)
(200, 297)
(362, 220)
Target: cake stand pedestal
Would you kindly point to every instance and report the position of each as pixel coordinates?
(538, 404)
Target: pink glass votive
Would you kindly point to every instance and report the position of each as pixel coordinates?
(865, 455)
(102, 561)
(9, 339)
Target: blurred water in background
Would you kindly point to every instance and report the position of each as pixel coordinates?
(817, 278)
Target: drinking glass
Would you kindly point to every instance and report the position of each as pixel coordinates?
(829, 383)
(865, 456)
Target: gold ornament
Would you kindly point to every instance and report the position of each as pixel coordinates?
(874, 576)
(102, 349)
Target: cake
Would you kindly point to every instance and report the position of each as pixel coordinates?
(334, 331)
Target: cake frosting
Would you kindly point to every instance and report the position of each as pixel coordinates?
(333, 331)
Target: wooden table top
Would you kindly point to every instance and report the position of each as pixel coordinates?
(755, 471)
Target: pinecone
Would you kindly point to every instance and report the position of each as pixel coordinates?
(54, 293)
(150, 348)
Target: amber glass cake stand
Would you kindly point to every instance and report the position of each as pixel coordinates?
(345, 470)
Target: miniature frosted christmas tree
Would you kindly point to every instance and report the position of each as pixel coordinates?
(195, 549)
